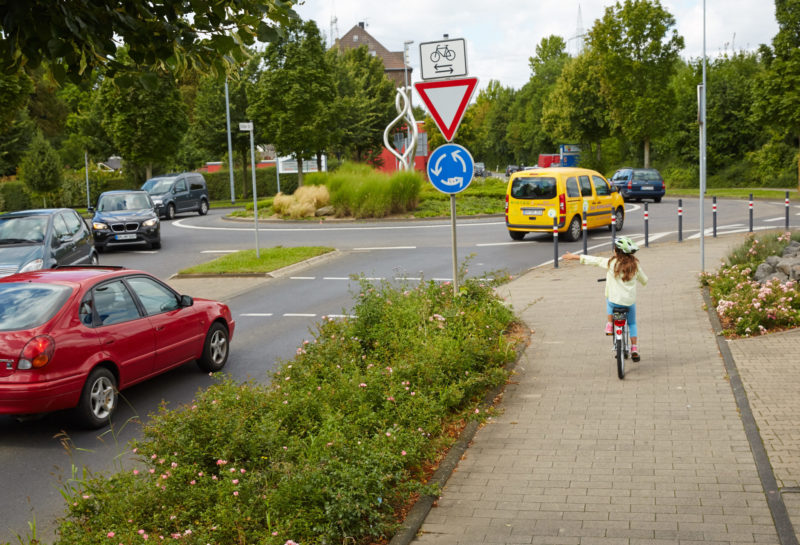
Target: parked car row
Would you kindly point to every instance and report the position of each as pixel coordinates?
(74, 333)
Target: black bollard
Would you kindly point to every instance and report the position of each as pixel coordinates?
(751, 212)
(585, 234)
(680, 220)
(613, 228)
(555, 242)
(646, 227)
(714, 214)
(787, 210)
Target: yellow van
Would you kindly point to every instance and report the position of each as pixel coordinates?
(534, 197)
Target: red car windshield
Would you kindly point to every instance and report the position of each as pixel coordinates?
(26, 305)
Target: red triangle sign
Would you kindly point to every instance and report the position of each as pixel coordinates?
(447, 101)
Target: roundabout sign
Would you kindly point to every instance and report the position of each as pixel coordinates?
(451, 168)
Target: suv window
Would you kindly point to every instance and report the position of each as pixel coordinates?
(534, 188)
(646, 175)
(600, 186)
(180, 185)
(197, 184)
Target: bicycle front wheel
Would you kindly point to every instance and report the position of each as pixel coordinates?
(620, 359)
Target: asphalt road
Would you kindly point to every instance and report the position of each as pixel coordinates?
(38, 456)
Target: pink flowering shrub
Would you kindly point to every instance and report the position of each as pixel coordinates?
(747, 307)
(329, 451)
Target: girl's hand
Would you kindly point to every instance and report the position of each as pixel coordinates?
(570, 257)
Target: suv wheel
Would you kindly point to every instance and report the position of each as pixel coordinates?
(574, 229)
(203, 207)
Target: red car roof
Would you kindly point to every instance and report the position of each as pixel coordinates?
(69, 275)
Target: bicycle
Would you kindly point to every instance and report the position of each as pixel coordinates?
(442, 51)
(621, 340)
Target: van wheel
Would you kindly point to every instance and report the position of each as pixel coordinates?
(619, 214)
(171, 211)
(574, 230)
(516, 235)
(203, 208)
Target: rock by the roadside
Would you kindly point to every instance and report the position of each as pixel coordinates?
(777, 275)
(772, 261)
(763, 272)
(788, 265)
(325, 211)
(792, 249)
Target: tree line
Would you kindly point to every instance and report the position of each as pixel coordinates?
(628, 98)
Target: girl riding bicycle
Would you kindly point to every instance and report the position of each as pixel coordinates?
(622, 273)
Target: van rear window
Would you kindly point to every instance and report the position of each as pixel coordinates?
(534, 188)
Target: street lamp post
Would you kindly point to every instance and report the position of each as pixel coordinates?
(408, 94)
(230, 147)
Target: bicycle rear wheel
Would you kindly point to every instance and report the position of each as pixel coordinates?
(620, 359)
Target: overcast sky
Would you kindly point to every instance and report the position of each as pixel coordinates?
(502, 34)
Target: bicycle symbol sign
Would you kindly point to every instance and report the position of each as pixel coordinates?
(443, 59)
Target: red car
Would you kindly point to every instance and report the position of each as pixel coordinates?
(74, 337)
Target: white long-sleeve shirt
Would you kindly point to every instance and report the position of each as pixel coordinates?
(617, 291)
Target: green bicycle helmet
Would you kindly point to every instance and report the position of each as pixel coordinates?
(626, 245)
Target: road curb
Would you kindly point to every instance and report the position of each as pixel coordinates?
(777, 507)
(417, 514)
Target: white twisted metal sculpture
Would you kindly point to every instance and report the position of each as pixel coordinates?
(404, 112)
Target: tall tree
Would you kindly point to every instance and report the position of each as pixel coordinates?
(575, 110)
(146, 125)
(41, 166)
(364, 102)
(291, 100)
(78, 38)
(780, 88)
(208, 131)
(497, 152)
(637, 47)
(525, 135)
(16, 128)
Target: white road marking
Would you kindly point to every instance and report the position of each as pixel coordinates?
(782, 218)
(256, 314)
(387, 248)
(341, 316)
(302, 278)
(298, 315)
(219, 251)
(336, 278)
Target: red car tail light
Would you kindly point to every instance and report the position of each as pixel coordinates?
(37, 353)
(562, 204)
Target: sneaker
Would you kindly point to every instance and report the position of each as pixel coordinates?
(635, 353)
(608, 328)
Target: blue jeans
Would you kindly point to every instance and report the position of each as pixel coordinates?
(634, 332)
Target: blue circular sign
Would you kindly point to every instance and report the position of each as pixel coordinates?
(450, 168)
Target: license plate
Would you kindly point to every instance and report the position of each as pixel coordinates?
(647, 188)
(532, 211)
(126, 237)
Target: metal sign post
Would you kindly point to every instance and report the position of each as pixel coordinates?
(450, 170)
(249, 127)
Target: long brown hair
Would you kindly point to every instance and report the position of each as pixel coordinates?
(625, 265)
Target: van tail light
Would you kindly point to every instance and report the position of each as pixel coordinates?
(630, 184)
(37, 352)
(506, 206)
(562, 204)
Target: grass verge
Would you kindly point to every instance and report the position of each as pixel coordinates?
(246, 262)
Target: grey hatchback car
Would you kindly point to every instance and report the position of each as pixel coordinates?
(44, 239)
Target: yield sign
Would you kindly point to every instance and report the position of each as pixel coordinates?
(447, 101)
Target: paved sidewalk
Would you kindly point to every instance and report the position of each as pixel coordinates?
(578, 456)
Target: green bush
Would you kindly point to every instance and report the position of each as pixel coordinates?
(747, 307)
(331, 451)
(16, 196)
(219, 184)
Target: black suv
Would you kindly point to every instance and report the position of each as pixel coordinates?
(42, 239)
(125, 217)
(176, 193)
(639, 183)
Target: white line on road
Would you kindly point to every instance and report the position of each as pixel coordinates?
(179, 223)
(257, 314)
(341, 316)
(775, 219)
(302, 278)
(336, 278)
(387, 248)
(219, 251)
(298, 315)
